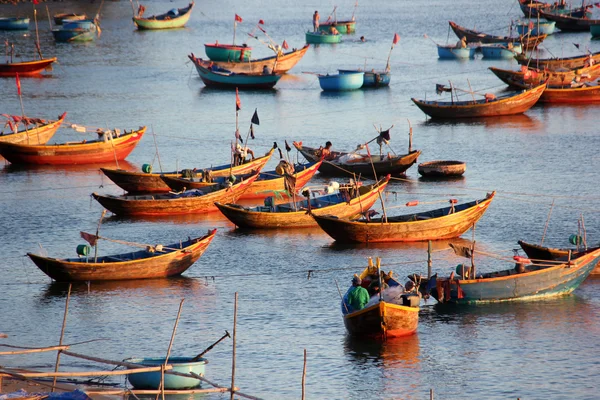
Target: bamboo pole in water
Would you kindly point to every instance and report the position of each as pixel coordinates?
(62, 335)
(233, 352)
(304, 377)
(163, 367)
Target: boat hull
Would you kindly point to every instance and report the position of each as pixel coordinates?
(278, 64)
(536, 77)
(14, 24)
(528, 42)
(228, 52)
(72, 153)
(371, 79)
(221, 78)
(141, 182)
(26, 68)
(453, 53)
(341, 82)
(554, 64)
(110, 268)
(165, 21)
(59, 18)
(409, 228)
(152, 380)
(442, 169)
(39, 135)
(65, 34)
(499, 51)
(383, 319)
(322, 38)
(343, 27)
(539, 28)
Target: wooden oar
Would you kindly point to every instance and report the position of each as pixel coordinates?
(199, 356)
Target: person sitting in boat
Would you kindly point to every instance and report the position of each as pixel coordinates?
(374, 287)
(576, 82)
(241, 153)
(589, 61)
(462, 43)
(325, 152)
(357, 296)
(266, 70)
(334, 30)
(316, 21)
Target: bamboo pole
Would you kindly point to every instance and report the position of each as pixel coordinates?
(341, 297)
(97, 233)
(234, 343)
(28, 351)
(88, 373)
(547, 222)
(156, 147)
(163, 367)
(429, 262)
(62, 335)
(304, 378)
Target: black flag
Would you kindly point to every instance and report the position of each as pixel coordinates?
(255, 119)
(287, 147)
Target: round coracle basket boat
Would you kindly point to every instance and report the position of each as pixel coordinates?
(442, 168)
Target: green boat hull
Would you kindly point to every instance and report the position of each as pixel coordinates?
(227, 52)
(320, 37)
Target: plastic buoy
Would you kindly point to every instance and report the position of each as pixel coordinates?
(412, 203)
(575, 239)
(147, 168)
(83, 249)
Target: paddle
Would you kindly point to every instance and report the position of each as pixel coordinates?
(199, 356)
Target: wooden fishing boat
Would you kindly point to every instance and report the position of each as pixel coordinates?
(153, 380)
(341, 82)
(508, 104)
(155, 262)
(215, 76)
(531, 8)
(442, 169)
(528, 42)
(269, 183)
(26, 68)
(535, 76)
(588, 92)
(109, 147)
(554, 64)
(14, 23)
(500, 51)
(451, 52)
(148, 182)
(59, 18)
(569, 23)
(228, 52)
(175, 18)
(372, 78)
(354, 164)
(536, 27)
(279, 64)
(349, 202)
(39, 133)
(76, 31)
(443, 223)
(322, 38)
(196, 201)
(343, 27)
(521, 283)
(537, 252)
(394, 312)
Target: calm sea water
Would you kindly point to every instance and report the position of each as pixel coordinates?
(543, 349)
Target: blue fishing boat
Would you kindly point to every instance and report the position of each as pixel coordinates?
(342, 81)
(500, 51)
(451, 52)
(228, 52)
(371, 78)
(214, 76)
(76, 31)
(522, 282)
(13, 23)
(151, 380)
(323, 38)
(536, 28)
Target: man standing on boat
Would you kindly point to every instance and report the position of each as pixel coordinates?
(316, 21)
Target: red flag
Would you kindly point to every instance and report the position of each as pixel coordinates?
(238, 103)
(18, 85)
(396, 38)
(285, 45)
(35, 2)
(260, 21)
(91, 239)
(238, 18)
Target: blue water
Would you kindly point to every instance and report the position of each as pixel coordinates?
(127, 78)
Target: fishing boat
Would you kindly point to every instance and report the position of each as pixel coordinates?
(61, 17)
(554, 64)
(451, 52)
(279, 64)
(153, 380)
(443, 223)
(537, 252)
(528, 42)
(372, 78)
(228, 52)
(342, 26)
(520, 283)
(356, 164)
(215, 76)
(442, 169)
(341, 82)
(571, 93)
(349, 201)
(500, 51)
(323, 38)
(111, 146)
(14, 23)
(147, 182)
(569, 23)
(391, 312)
(26, 68)
(268, 183)
(531, 8)
(196, 201)
(535, 76)
(535, 28)
(490, 106)
(76, 31)
(153, 262)
(35, 130)
(174, 18)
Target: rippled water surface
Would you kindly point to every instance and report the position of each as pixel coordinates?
(127, 78)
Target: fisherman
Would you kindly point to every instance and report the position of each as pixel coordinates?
(334, 30)
(241, 153)
(357, 296)
(316, 21)
(462, 43)
(325, 152)
(266, 70)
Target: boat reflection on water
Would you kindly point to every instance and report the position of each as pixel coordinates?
(207, 220)
(81, 169)
(418, 247)
(522, 122)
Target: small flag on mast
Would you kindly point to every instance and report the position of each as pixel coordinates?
(396, 38)
(18, 85)
(238, 18)
(255, 119)
(261, 21)
(238, 103)
(285, 45)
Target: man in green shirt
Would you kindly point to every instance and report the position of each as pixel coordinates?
(357, 296)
